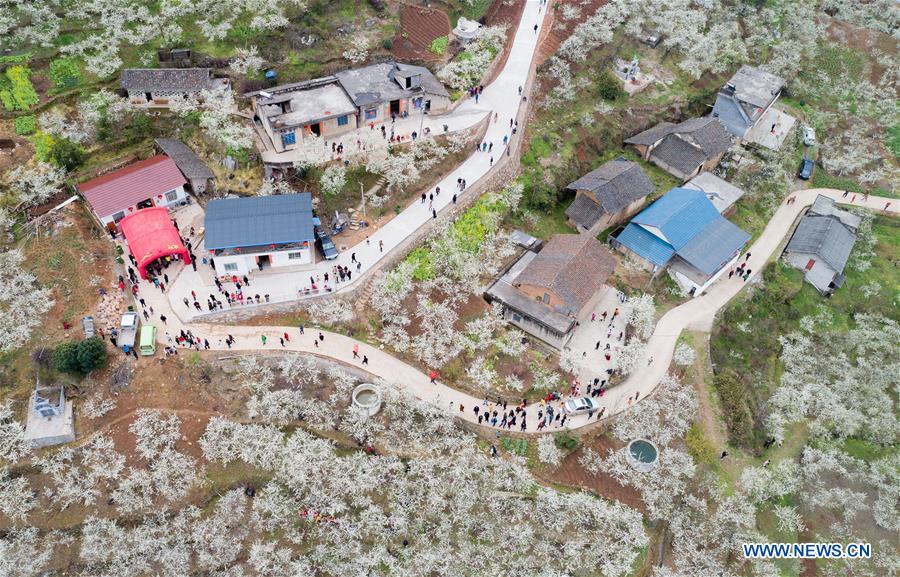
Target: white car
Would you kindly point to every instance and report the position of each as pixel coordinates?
(580, 405)
(809, 136)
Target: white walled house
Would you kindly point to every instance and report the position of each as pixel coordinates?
(155, 181)
(243, 235)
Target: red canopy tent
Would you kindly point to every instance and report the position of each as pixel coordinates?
(151, 235)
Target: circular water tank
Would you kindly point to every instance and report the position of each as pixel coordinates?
(367, 397)
(643, 455)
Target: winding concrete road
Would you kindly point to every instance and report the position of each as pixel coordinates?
(698, 314)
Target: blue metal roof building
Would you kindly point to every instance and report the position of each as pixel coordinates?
(684, 224)
(258, 221)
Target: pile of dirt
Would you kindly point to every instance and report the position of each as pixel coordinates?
(419, 27)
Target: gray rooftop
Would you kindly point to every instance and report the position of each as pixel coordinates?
(710, 251)
(825, 235)
(720, 192)
(693, 142)
(185, 159)
(377, 83)
(308, 105)
(166, 79)
(258, 220)
(615, 184)
(755, 86)
(584, 211)
(824, 206)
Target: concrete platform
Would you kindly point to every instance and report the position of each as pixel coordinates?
(47, 431)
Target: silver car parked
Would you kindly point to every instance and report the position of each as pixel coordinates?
(580, 405)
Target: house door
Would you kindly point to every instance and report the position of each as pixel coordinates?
(810, 264)
(316, 129)
(263, 260)
(395, 108)
(427, 106)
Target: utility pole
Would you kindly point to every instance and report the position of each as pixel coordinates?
(362, 198)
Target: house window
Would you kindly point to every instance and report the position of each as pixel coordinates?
(546, 298)
(172, 196)
(371, 113)
(343, 120)
(295, 255)
(289, 138)
(417, 102)
(810, 264)
(230, 266)
(118, 216)
(517, 317)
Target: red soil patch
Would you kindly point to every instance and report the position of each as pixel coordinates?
(419, 27)
(572, 474)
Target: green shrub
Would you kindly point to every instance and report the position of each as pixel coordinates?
(65, 73)
(736, 406)
(698, 445)
(43, 145)
(892, 140)
(65, 357)
(91, 354)
(608, 86)
(23, 91)
(9, 102)
(388, 43)
(565, 440)
(25, 125)
(439, 45)
(67, 154)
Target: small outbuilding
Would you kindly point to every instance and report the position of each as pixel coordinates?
(822, 244)
(152, 182)
(50, 418)
(159, 86)
(608, 195)
(198, 174)
(721, 193)
(245, 234)
(152, 235)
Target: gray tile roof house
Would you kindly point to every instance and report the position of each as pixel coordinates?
(258, 221)
(388, 81)
(572, 267)
(684, 149)
(608, 190)
(186, 80)
(822, 243)
(745, 98)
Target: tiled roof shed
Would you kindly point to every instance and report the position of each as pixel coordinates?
(572, 266)
(186, 159)
(124, 188)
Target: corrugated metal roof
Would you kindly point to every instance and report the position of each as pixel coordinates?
(680, 214)
(710, 250)
(258, 221)
(645, 244)
(692, 227)
(124, 188)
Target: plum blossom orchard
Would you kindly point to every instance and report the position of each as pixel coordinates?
(23, 301)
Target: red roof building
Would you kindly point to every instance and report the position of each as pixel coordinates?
(152, 182)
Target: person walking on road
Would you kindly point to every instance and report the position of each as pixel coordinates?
(263, 339)
(356, 350)
(365, 360)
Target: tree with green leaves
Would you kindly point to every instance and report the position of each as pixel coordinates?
(67, 154)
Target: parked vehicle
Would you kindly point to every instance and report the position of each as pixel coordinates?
(806, 169)
(325, 244)
(148, 340)
(809, 136)
(87, 325)
(580, 405)
(128, 330)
